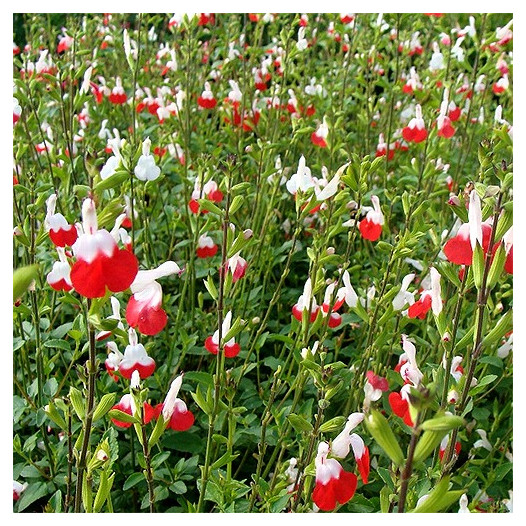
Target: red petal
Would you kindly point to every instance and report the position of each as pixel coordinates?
(88, 278)
(345, 486)
(232, 351)
(370, 230)
(120, 270)
(398, 405)
(210, 346)
(458, 250)
(323, 496)
(181, 421)
(508, 266)
(363, 465)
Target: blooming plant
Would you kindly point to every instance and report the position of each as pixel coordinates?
(263, 262)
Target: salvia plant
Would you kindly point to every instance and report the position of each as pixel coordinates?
(263, 263)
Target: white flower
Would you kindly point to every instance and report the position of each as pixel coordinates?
(146, 169)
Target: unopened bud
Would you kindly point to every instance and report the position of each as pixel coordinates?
(256, 320)
(247, 234)
(330, 251)
(101, 455)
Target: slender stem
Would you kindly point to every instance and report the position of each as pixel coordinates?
(408, 468)
(147, 460)
(92, 375)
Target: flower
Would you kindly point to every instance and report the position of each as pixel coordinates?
(333, 484)
(459, 249)
(18, 489)
(136, 359)
(463, 504)
(341, 445)
(113, 360)
(100, 263)
(210, 191)
(206, 248)
(404, 297)
(231, 349)
(443, 447)
(116, 315)
(508, 247)
(318, 137)
(118, 95)
(144, 310)
(429, 299)
(445, 129)
(306, 302)
(415, 131)
(237, 265)
(60, 231)
(373, 388)
(146, 169)
(59, 278)
(174, 410)
(371, 226)
(127, 405)
(207, 100)
(301, 180)
(17, 110)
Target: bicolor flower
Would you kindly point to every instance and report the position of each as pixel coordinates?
(207, 100)
(445, 129)
(146, 169)
(206, 248)
(237, 266)
(60, 231)
(404, 297)
(459, 249)
(374, 387)
(113, 360)
(230, 348)
(100, 263)
(371, 226)
(415, 131)
(174, 410)
(127, 405)
(341, 445)
(136, 359)
(144, 310)
(210, 191)
(60, 276)
(118, 95)
(306, 302)
(429, 299)
(18, 489)
(399, 403)
(501, 85)
(334, 485)
(318, 137)
(17, 110)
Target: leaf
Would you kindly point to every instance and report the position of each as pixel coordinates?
(133, 480)
(22, 278)
(105, 404)
(58, 344)
(300, 424)
(34, 491)
(120, 416)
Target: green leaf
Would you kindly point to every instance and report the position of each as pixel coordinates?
(120, 416)
(333, 425)
(104, 491)
(133, 480)
(112, 181)
(382, 433)
(34, 491)
(478, 265)
(105, 404)
(300, 424)
(77, 401)
(58, 344)
(22, 278)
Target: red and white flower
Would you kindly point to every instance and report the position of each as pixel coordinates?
(17, 110)
(371, 226)
(60, 231)
(100, 263)
(118, 95)
(136, 359)
(508, 247)
(237, 266)
(415, 131)
(60, 276)
(445, 129)
(334, 485)
(144, 310)
(127, 405)
(501, 85)
(374, 387)
(404, 297)
(113, 360)
(443, 447)
(429, 298)
(318, 137)
(230, 348)
(206, 248)
(306, 302)
(18, 489)
(207, 99)
(459, 249)
(210, 191)
(341, 445)
(174, 410)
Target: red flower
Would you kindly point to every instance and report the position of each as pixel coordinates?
(125, 405)
(400, 407)
(231, 349)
